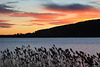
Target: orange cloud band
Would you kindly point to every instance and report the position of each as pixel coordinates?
(38, 15)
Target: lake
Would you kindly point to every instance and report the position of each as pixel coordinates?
(88, 45)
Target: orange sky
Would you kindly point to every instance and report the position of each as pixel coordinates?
(28, 18)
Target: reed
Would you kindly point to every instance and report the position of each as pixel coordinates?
(53, 57)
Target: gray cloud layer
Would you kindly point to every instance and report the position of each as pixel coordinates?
(6, 9)
(68, 7)
(5, 25)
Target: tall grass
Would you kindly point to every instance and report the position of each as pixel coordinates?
(25, 56)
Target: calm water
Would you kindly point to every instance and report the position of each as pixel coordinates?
(88, 45)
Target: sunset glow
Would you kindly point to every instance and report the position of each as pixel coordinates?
(27, 16)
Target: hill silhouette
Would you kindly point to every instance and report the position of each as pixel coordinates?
(90, 28)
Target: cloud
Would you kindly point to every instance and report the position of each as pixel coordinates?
(43, 21)
(24, 0)
(5, 25)
(26, 24)
(57, 23)
(5, 9)
(66, 14)
(96, 2)
(68, 7)
(74, 13)
(37, 24)
(4, 21)
(12, 2)
(52, 22)
(76, 8)
(38, 15)
(63, 21)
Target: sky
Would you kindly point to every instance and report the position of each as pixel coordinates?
(28, 16)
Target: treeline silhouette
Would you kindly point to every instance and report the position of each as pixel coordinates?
(90, 28)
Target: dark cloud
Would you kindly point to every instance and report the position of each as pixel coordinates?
(12, 2)
(68, 7)
(6, 9)
(5, 25)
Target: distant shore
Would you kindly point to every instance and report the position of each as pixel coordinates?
(12, 36)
